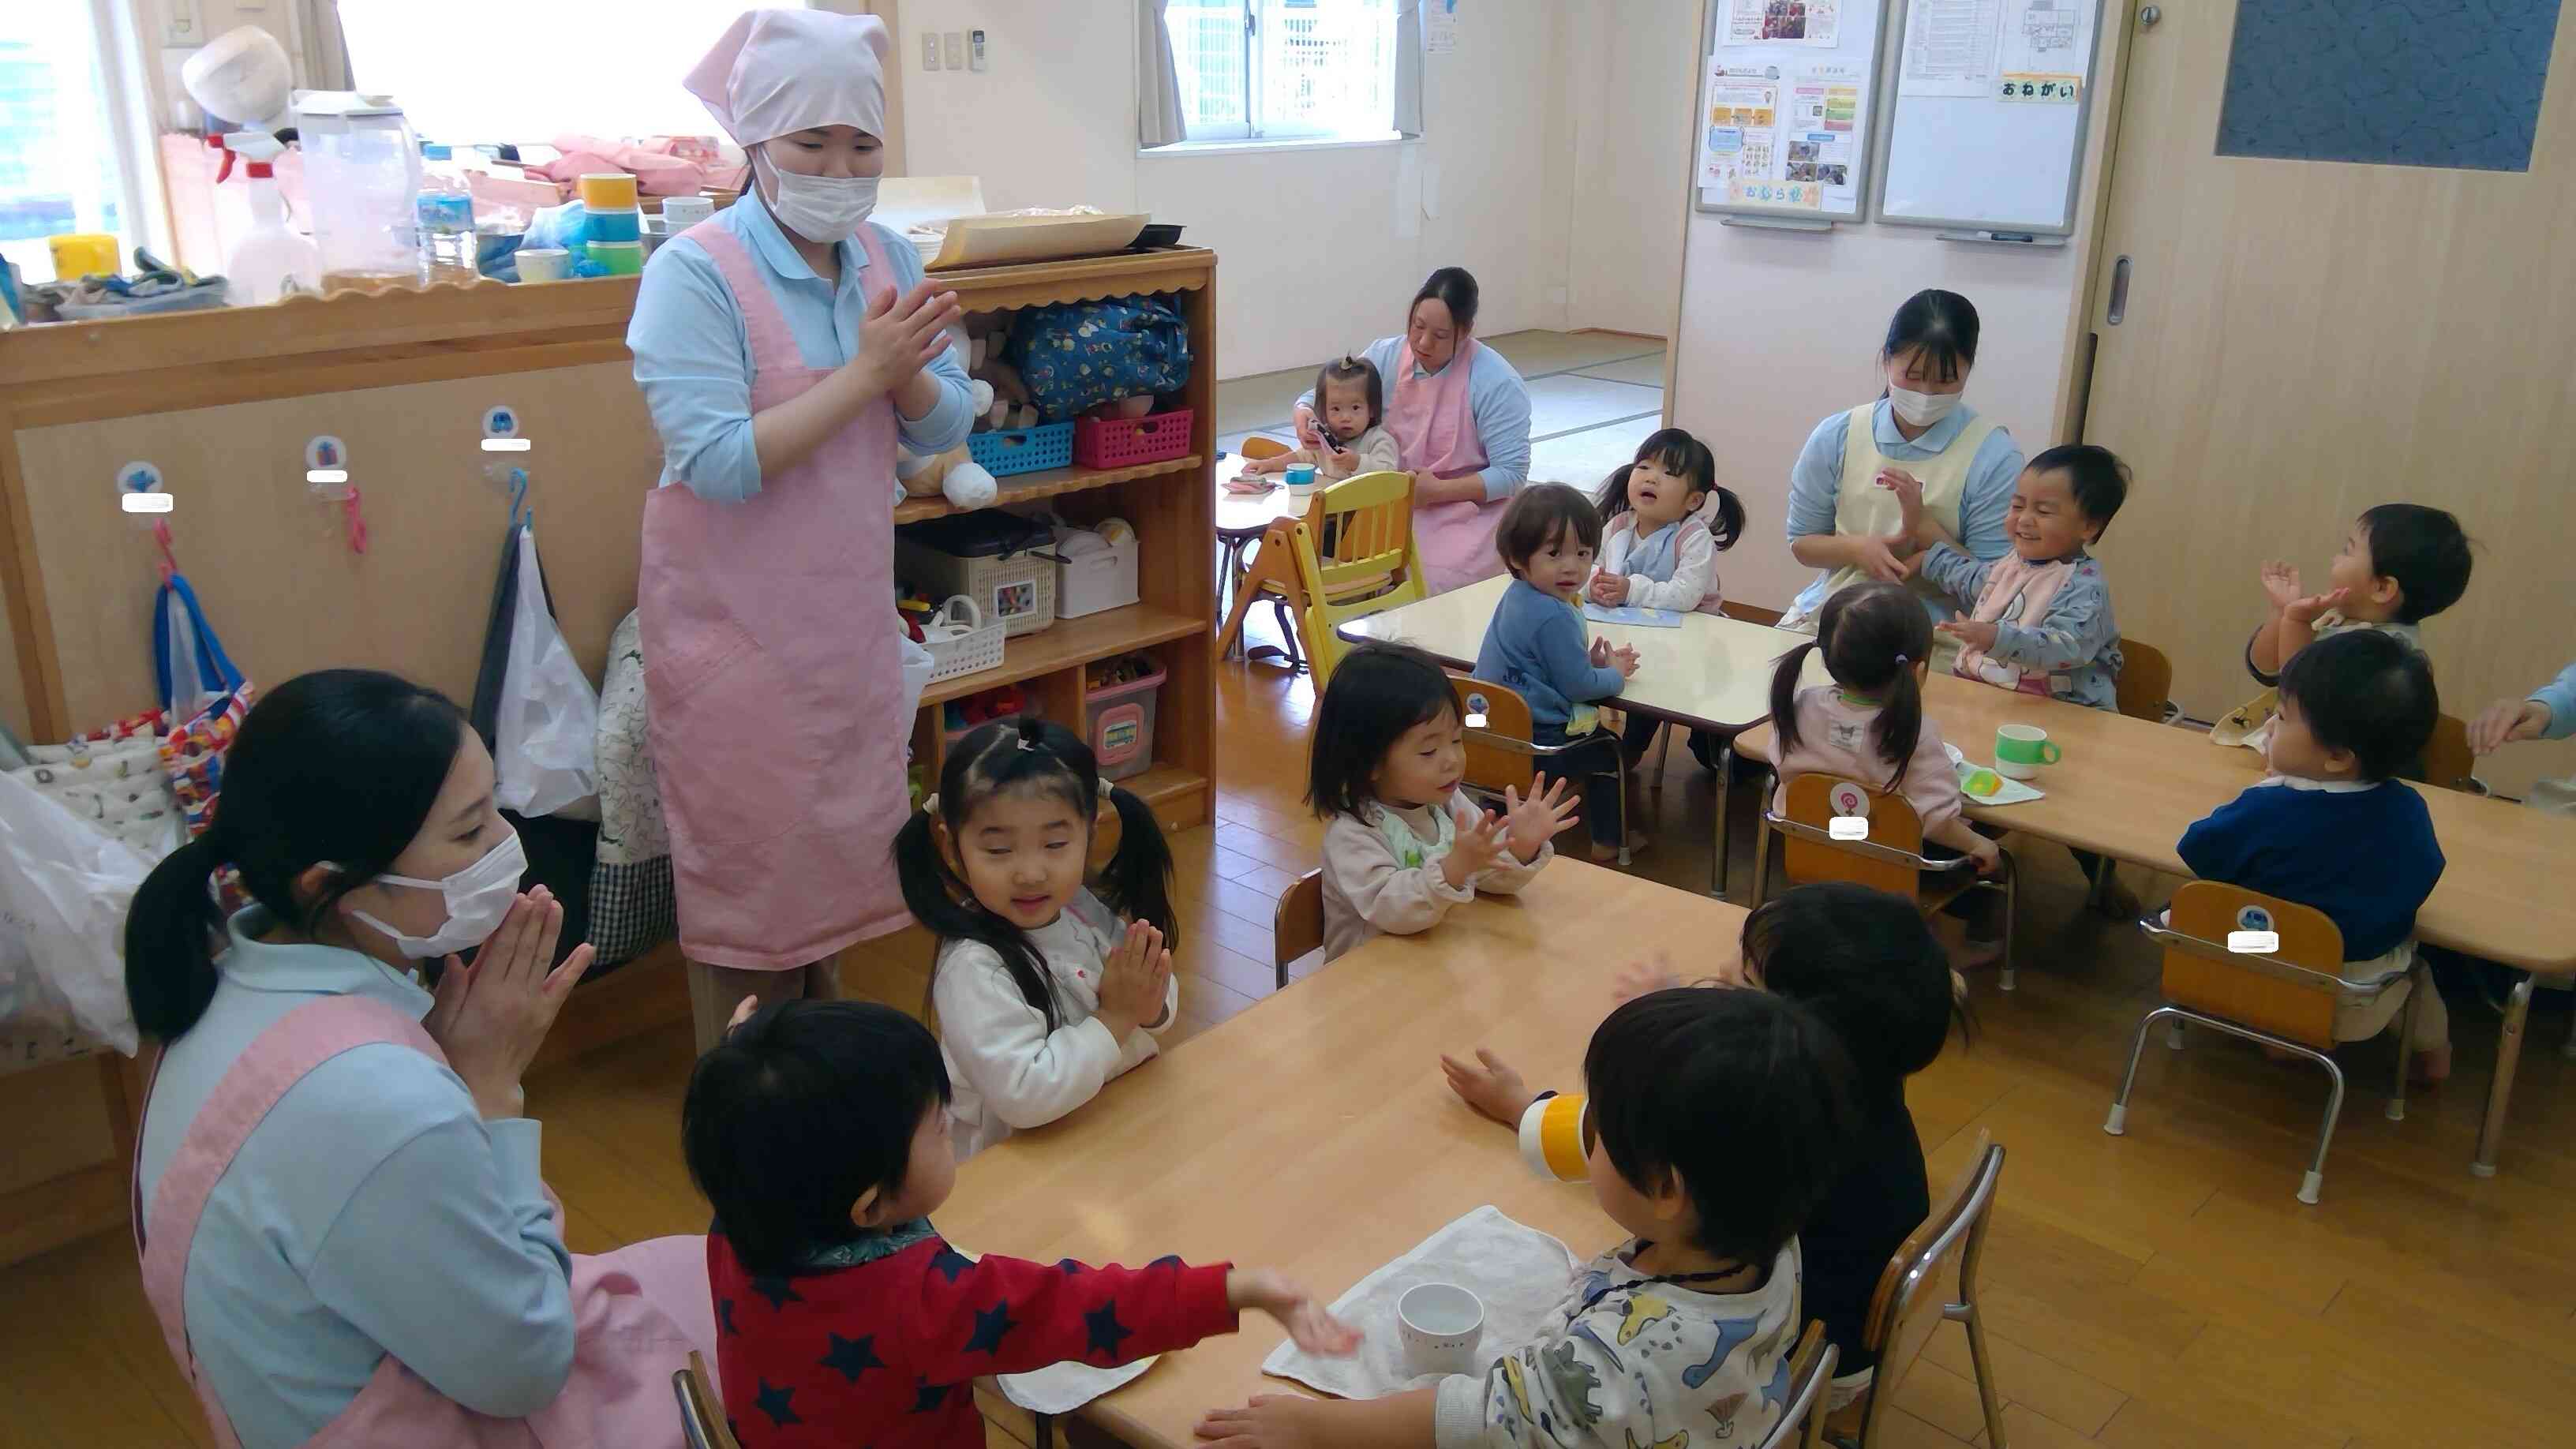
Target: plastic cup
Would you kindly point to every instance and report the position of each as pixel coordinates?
(544, 264)
(1439, 1324)
(2021, 749)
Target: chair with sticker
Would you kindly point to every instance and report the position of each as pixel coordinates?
(1889, 857)
(2293, 997)
(1502, 752)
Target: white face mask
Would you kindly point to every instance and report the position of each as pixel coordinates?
(820, 208)
(477, 898)
(1922, 409)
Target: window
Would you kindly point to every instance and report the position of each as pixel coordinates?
(1284, 69)
(58, 158)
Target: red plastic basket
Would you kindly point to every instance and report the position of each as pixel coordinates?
(1126, 442)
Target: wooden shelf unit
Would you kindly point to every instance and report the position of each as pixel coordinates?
(1030, 487)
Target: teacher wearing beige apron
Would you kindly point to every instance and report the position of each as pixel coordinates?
(1461, 420)
(1840, 515)
(784, 346)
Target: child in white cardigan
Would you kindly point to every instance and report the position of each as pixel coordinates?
(1402, 844)
(1660, 538)
(1042, 993)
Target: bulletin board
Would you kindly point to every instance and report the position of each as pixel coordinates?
(1784, 108)
(1986, 131)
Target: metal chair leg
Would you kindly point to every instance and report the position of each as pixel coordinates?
(1718, 839)
(2117, 1124)
(2173, 1037)
(1663, 757)
(2419, 982)
(2517, 1016)
(1761, 860)
(1619, 783)
(2012, 890)
(2316, 1176)
(1984, 1364)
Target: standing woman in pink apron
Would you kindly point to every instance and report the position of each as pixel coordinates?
(1461, 418)
(336, 1192)
(783, 346)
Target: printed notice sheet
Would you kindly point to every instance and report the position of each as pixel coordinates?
(1796, 22)
(1951, 47)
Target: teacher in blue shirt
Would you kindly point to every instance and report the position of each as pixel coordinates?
(345, 1236)
(1840, 516)
(786, 347)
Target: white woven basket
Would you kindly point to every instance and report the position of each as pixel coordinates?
(959, 640)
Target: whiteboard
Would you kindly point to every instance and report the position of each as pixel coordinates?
(1784, 119)
(1987, 129)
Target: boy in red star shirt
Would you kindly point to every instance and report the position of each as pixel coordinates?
(819, 1130)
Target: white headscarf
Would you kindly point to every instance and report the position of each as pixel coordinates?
(781, 71)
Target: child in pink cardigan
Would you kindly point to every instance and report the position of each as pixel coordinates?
(1868, 725)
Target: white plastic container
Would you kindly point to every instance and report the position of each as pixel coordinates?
(1098, 572)
(272, 260)
(362, 176)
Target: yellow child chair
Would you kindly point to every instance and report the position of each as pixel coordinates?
(2284, 998)
(1501, 751)
(1890, 858)
(1370, 565)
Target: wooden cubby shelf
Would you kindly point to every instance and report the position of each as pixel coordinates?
(1069, 643)
(1025, 487)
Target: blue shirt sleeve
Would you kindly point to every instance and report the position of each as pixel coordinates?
(1500, 401)
(2559, 695)
(2221, 845)
(1956, 574)
(1569, 666)
(946, 425)
(449, 1255)
(1987, 496)
(693, 363)
(1816, 479)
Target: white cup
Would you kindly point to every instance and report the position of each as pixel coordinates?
(543, 264)
(1439, 1324)
(680, 213)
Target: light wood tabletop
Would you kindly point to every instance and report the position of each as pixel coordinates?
(1313, 1133)
(1711, 673)
(2128, 789)
(1244, 515)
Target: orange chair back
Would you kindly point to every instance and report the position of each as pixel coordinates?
(1493, 767)
(2146, 681)
(1258, 447)
(2294, 1000)
(1892, 823)
(2447, 759)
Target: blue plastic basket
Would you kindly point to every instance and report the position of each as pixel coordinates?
(1006, 451)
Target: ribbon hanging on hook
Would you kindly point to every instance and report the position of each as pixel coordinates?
(357, 521)
(519, 511)
(168, 563)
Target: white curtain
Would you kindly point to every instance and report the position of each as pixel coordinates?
(326, 51)
(1408, 69)
(1159, 119)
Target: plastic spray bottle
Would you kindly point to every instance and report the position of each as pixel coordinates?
(271, 261)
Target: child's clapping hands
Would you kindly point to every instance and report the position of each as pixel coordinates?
(2290, 599)
(1479, 840)
(1535, 821)
(1623, 658)
(1135, 983)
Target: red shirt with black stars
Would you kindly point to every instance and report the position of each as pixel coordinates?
(884, 1352)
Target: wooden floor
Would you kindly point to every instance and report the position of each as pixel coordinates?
(2162, 1288)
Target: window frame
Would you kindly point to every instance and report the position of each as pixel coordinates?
(1255, 130)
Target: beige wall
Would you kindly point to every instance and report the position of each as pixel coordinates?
(1633, 69)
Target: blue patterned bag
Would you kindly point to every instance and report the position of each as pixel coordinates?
(1075, 356)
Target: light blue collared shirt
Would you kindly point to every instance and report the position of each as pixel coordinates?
(1816, 480)
(373, 1211)
(1495, 394)
(693, 353)
(2559, 696)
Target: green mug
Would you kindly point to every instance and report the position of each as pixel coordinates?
(2021, 749)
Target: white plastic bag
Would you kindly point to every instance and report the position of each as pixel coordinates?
(64, 888)
(917, 665)
(548, 725)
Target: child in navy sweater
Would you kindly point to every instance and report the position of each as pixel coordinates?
(2330, 827)
(819, 1129)
(1537, 647)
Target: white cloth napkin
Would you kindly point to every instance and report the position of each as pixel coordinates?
(1521, 1274)
(2008, 791)
(1061, 1388)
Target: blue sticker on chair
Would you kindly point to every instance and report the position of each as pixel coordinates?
(2253, 918)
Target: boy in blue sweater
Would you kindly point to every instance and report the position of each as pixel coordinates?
(1537, 647)
(2330, 828)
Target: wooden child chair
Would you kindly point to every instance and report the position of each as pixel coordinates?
(1811, 1372)
(1933, 1278)
(1271, 578)
(2285, 998)
(1297, 925)
(702, 1416)
(1501, 751)
(1355, 557)
(1890, 859)
(2145, 686)
(2448, 761)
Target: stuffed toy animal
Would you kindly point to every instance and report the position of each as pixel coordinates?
(954, 473)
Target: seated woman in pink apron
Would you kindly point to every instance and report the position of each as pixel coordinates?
(1461, 418)
(1840, 517)
(783, 346)
(344, 1234)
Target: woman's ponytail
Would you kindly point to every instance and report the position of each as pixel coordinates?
(1137, 882)
(1784, 700)
(170, 934)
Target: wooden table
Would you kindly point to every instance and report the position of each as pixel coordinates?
(1312, 1133)
(1712, 673)
(2128, 789)
(1240, 520)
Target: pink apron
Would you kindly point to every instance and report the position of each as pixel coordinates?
(770, 669)
(1435, 426)
(638, 1312)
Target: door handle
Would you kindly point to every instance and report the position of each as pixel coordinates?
(2119, 305)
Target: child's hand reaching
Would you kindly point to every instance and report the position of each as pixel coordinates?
(1480, 839)
(1643, 978)
(2290, 598)
(1600, 654)
(1135, 981)
(2506, 721)
(1988, 855)
(1624, 659)
(1976, 633)
(1489, 1085)
(1309, 1324)
(1909, 499)
(1609, 590)
(1535, 821)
